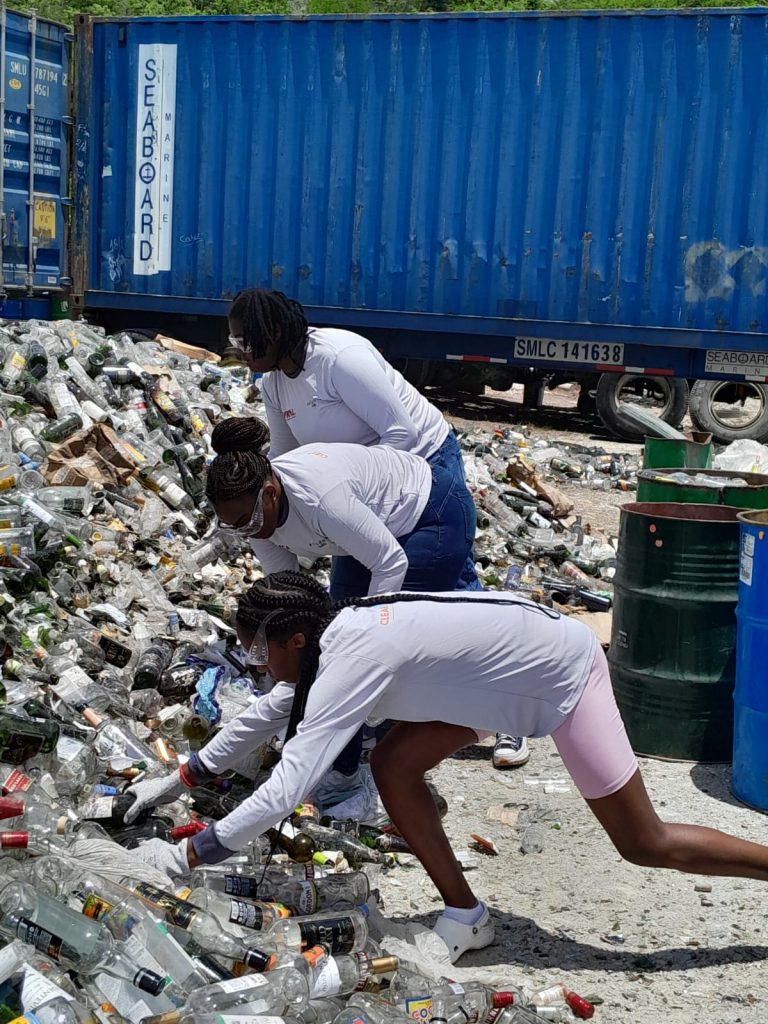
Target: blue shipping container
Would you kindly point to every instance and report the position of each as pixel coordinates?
(592, 176)
(34, 173)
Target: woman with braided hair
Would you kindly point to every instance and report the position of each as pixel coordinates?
(332, 385)
(475, 660)
(406, 522)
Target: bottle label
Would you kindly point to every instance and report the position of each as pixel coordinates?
(10, 807)
(37, 990)
(325, 980)
(38, 937)
(241, 885)
(179, 913)
(308, 898)
(336, 933)
(115, 653)
(98, 808)
(67, 749)
(247, 915)
(250, 981)
(17, 782)
(420, 1008)
(95, 907)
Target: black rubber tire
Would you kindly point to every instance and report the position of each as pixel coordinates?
(608, 405)
(702, 395)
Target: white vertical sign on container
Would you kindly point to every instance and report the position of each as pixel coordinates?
(155, 137)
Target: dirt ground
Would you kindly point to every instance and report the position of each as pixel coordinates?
(647, 942)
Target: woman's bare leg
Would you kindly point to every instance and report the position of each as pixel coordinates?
(640, 836)
(399, 763)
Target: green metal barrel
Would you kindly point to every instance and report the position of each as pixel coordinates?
(694, 451)
(673, 640)
(704, 487)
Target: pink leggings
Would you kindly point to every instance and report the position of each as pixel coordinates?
(592, 741)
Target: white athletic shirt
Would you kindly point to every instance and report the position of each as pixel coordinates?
(345, 499)
(512, 668)
(348, 393)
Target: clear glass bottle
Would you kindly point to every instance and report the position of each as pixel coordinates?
(203, 928)
(67, 937)
(307, 896)
(348, 972)
(237, 915)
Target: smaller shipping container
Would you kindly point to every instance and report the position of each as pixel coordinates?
(34, 171)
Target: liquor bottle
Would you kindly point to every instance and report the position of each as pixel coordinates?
(59, 430)
(364, 1008)
(114, 740)
(22, 739)
(298, 845)
(152, 662)
(132, 835)
(203, 928)
(339, 932)
(65, 936)
(307, 896)
(469, 1002)
(276, 993)
(352, 848)
(236, 915)
(26, 442)
(350, 972)
(129, 921)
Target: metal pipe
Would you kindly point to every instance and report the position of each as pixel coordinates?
(31, 109)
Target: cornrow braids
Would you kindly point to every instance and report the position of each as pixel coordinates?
(270, 318)
(239, 466)
(308, 609)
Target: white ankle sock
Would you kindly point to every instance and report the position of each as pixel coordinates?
(465, 915)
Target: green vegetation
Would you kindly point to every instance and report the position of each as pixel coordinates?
(65, 10)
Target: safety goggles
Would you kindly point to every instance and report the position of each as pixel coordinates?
(254, 524)
(258, 652)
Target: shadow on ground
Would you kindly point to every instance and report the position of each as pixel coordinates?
(521, 942)
(507, 412)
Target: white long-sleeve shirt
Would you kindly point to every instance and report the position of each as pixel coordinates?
(515, 668)
(345, 499)
(348, 393)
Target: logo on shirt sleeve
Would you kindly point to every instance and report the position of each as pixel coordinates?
(288, 414)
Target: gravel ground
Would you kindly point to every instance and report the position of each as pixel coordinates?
(652, 946)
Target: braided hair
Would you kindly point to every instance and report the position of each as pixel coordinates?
(308, 610)
(239, 466)
(270, 318)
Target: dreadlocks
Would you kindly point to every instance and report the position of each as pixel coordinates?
(271, 318)
(308, 610)
(239, 466)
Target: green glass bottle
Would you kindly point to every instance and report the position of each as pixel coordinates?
(21, 739)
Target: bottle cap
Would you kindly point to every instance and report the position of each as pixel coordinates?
(257, 960)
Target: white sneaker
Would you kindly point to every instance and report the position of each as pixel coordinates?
(510, 751)
(460, 938)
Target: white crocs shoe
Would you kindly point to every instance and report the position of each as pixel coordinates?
(460, 938)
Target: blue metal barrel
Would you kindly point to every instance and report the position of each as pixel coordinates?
(750, 697)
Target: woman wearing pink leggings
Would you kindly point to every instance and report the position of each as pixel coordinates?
(446, 667)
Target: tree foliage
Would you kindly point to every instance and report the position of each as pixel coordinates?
(66, 10)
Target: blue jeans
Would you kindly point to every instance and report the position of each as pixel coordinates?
(437, 548)
(448, 456)
(439, 551)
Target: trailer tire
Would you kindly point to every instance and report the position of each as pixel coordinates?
(705, 415)
(608, 402)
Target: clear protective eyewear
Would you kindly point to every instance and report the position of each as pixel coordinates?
(236, 341)
(258, 652)
(254, 524)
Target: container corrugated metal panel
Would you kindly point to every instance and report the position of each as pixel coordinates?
(35, 73)
(597, 168)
